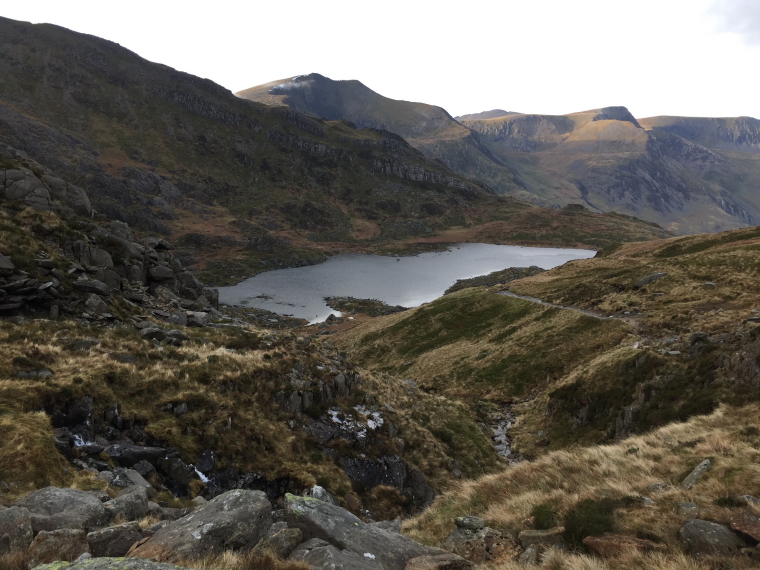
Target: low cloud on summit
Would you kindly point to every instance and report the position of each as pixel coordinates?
(740, 17)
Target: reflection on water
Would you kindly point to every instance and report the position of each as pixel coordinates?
(407, 281)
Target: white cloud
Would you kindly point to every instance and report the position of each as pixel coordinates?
(741, 17)
(656, 57)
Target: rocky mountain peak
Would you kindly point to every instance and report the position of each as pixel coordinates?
(615, 114)
(484, 115)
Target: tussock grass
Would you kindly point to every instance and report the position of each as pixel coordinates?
(475, 344)
(557, 560)
(229, 560)
(14, 561)
(621, 472)
(27, 453)
(230, 395)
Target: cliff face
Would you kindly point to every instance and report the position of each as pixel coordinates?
(737, 133)
(675, 172)
(427, 128)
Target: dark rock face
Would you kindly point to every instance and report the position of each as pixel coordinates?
(53, 509)
(341, 529)
(234, 520)
(92, 286)
(393, 472)
(128, 454)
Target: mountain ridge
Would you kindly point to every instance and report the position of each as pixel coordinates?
(688, 175)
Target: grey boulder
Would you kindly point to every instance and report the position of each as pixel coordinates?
(692, 478)
(705, 537)
(114, 540)
(320, 554)
(95, 305)
(341, 529)
(235, 520)
(63, 544)
(648, 279)
(15, 530)
(279, 540)
(130, 504)
(52, 508)
(160, 273)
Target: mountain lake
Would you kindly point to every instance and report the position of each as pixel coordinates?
(406, 281)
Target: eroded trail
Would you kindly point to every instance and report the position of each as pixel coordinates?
(540, 302)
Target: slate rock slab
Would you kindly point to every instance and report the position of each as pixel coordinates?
(338, 527)
(235, 520)
(111, 564)
(320, 554)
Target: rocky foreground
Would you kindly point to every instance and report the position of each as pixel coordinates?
(90, 529)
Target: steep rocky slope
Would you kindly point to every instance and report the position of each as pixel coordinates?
(609, 161)
(428, 128)
(240, 186)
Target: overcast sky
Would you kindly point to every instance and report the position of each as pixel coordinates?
(656, 57)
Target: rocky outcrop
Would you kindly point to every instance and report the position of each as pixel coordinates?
(477, 543)
(279, 540)
(52, 509)
(115, 540)
(344, 531)
(320, 554)
(439, 562)
(64, 544)
(15, 530)
(236, 520)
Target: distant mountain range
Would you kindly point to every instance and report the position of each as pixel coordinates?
(687, 174)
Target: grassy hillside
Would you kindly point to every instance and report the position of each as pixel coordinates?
(599, 489)
(601, 377)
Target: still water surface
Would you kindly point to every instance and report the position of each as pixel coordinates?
(406, 281)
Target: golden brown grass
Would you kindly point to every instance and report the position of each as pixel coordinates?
(230, 394)
(27, 453)
(563, 478)
(229, 560)
(557, 560)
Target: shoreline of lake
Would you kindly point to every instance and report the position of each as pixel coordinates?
(406, 281)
